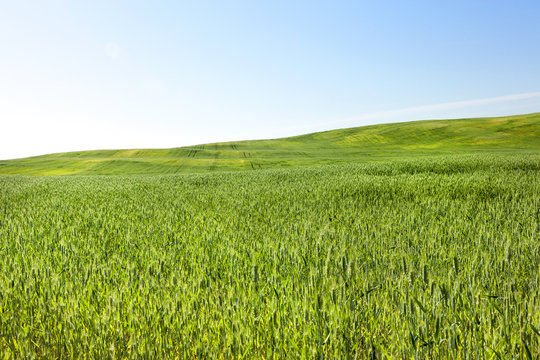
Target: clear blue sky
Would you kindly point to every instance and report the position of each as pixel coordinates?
(80, 75)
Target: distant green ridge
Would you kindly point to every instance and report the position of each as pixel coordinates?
(508, 134)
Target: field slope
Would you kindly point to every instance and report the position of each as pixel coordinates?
(511, 134)
(404, 241)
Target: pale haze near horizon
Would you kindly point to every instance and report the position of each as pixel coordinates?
(128, 74)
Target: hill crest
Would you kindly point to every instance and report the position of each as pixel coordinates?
(357, 144)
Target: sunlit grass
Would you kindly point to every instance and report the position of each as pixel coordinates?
(412, 240)
(518, 134)
(436, 257)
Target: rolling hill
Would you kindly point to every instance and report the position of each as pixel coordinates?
(509, 134)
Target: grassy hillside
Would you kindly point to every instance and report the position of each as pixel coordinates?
(421, 240)
(378, 142)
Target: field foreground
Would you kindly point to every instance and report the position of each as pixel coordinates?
(434, 258)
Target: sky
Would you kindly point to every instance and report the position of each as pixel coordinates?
(84, 75)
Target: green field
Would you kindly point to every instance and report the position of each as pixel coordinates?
(370, 143)
(413, 240)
